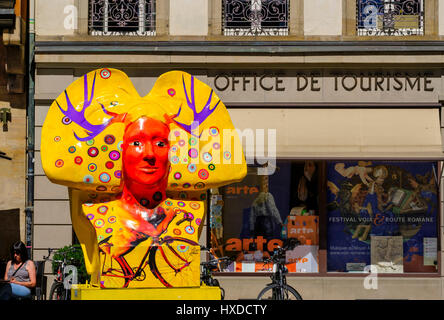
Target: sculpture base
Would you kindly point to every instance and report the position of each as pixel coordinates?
(88, 292)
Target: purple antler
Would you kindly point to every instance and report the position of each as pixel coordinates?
(198, 117)
(79, 117)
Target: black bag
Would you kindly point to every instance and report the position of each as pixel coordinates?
(17, 269)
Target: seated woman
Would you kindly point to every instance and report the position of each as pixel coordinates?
(20, 274)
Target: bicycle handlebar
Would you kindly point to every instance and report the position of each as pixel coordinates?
(214, 263)
(279, 252)
(51, 250)
(216, 260)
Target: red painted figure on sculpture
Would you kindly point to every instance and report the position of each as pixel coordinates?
(145, 176)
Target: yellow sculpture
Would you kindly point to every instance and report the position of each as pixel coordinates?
(138, 170)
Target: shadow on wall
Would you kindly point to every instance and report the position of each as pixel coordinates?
(9, 233)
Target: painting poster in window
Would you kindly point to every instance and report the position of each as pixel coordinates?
(368, 199)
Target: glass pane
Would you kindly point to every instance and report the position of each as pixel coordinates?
(96, 14)
(390, 17)
(238, 13)
(249, 219)
(255, 17)
(382, 214)
(122, 17)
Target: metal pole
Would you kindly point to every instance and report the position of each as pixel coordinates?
(142, 17)
(29, 209)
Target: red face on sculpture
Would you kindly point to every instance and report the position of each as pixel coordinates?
(145, 151)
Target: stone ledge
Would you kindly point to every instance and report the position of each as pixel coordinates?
(88, 292)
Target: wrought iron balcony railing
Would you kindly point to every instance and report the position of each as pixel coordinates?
(390, 17)
(122, 17)
(255, 17)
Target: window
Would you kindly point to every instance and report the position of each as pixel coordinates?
(7, 15)
(255, 17)
(122, 17)
(390, 17)
(382, 214)
(249, 219)
(378, 216)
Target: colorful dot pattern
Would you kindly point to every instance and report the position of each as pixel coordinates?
(104, 216)
(194, 161)
(96, 161)
(110, 224)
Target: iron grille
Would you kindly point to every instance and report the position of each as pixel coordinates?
(255, 17)
(390, 17)
(122, 17)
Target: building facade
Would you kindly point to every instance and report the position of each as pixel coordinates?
(339, 101)
(13, 132)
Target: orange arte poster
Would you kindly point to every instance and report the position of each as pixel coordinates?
(304, 228)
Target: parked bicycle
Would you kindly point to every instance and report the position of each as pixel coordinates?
(208, 267)
(61, 287)
(278, 289)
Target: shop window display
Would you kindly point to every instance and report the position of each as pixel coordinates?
(382, 214)
(251, 218)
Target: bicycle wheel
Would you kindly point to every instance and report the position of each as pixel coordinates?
(215, 283)
(288, 292)
(175, 262)
(116, 272)
(57, 291)
(222, 293)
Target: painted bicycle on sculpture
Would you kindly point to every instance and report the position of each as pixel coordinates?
(170, 259)
(169, 250)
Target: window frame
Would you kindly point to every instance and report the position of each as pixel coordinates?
(145, 27)
(386, 7)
